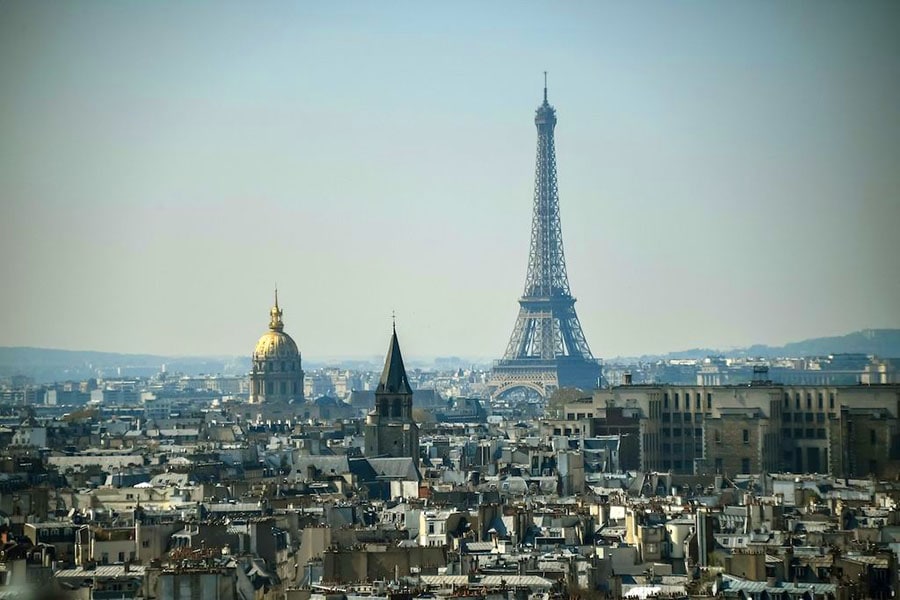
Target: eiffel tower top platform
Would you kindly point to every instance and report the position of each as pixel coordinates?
(547, 349)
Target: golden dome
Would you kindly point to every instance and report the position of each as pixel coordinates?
(275, 343)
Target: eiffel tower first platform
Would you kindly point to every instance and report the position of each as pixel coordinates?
(547, 349)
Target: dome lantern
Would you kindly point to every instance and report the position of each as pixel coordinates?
(275, 322)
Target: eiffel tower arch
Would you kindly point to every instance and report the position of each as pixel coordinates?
(547, 349)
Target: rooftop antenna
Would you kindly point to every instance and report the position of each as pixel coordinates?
(394, 320)
(545, 87)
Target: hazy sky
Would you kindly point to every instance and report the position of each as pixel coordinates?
(729, 172)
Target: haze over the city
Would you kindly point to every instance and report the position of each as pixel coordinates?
(728, 172)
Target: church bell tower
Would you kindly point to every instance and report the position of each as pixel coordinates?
(390, 428)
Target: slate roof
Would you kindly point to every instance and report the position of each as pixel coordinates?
(478, 546)
(372, 469)
(396, 468)
(324, 465)
(393, 377)
(167, 479)
(101, 571)
(730, 582)
(532, 581)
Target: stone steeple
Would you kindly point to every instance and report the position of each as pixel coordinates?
(390, 428)
(393, 377)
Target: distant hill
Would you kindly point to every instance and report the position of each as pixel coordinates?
(880, 342)
(47, 365)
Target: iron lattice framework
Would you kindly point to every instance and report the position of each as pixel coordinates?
(547, 348)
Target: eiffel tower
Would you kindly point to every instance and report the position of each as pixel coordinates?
(547, 349)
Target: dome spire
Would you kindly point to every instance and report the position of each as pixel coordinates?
(275, 322)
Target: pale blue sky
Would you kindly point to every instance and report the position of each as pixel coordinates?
(729, 171)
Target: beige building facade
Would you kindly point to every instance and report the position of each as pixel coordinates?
(845, 431)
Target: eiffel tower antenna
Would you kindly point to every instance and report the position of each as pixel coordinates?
(547, 349)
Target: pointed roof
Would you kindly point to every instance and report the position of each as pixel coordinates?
(393, 377)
